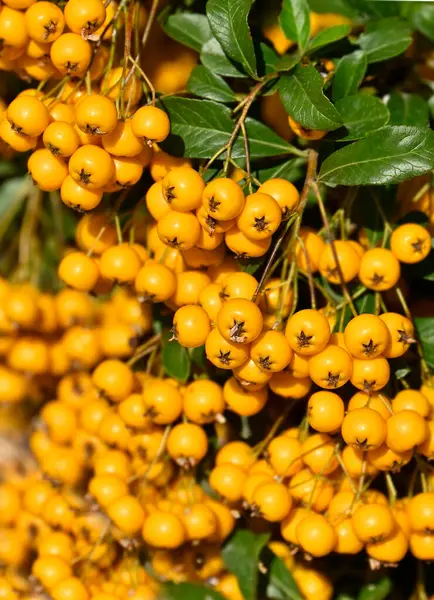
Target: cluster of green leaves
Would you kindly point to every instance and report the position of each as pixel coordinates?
(376, 138)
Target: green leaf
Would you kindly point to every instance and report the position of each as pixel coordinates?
(361, 114)
(292, 170)
(198, 357)
(199, 128)
(340, 7)
(294, 20)
(190, 29)
(241, 557)
(228, 21)
(329, 36)
(13, 194)
(281, 583)
(422, 17)
(303, 98)
(349, 74)
(385, 39)
(268, 57)
(389, 155)
(176, 361)
(379, 590)
(402, 373)
(250, 265)
(206, 84)
(407, 109)
(365, 304)
(425, 330)
(190, 591)
(263, 141)
(214, 58)
(368, 8)
(431, 106)
(287, 62)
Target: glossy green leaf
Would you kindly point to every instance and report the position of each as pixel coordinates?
(378, 590)
(389, 155)
(214, 58)
(329, 36)
(241, 556)
(361, 114)
(422, 17)
(364, 304)
(228, 21)
(385, 38)
(281, 583)
(304, 100)
(176, 361)
(267, 59)
(190, 29)
(374, 9)
(292, 170)
(287, 62)
(199, 128)
(340, 7)
(263, 141)
(425, 330)
(294, 20)
(407, 109)
(206, 84)
(189, 591)
(198, 357)
(349, 74)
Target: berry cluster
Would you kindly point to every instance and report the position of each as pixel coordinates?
(126, 477)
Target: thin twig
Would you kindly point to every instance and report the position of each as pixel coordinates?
(247, 152)
(309, 273)
(147, 31)
(333, 248)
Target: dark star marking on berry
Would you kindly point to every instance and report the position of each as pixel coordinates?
(303, 340)
(211, 223)
(71, 67)
(370, 348)
(363, 444)
(261, 224)
(173, 242)
(224, 357)
(418, 245)
(404, 338)
(265, 362)
(168, 193)
(50, 28)
(369, 386)
(236, 332)
(332, 380)
(332, 273)
(213, 204)
(377, 279)
(84, 176)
